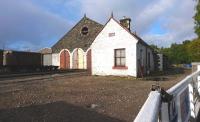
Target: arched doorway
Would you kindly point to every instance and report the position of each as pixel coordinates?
(64, 60)
(78, 59)
(89, 61)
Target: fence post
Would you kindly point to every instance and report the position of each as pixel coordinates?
(198, 67)
(198, 80)
(151, 108)
(191, 100)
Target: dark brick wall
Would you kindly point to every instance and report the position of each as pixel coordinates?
(75, 39)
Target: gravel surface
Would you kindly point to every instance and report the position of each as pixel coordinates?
(77, 98)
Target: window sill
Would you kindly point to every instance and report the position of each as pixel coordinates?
(120, 67)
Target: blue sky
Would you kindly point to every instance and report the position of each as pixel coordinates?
(35, 24)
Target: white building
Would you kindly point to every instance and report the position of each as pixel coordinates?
(111, 49)
(117, 51)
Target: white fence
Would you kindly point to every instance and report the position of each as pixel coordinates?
(183, 106)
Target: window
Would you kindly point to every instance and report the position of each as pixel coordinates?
(84, 30)
(120, 57)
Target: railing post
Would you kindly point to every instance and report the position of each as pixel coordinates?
(198, 67)
(198, 80)
(191, 100)
(151, 108)
(181, 103)
(198, 84)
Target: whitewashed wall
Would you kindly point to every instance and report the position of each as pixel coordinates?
(47, 59)
(55, 59)
(103, 51)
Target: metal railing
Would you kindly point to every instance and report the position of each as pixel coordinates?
(183, 105)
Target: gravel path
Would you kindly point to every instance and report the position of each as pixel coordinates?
(76, 98)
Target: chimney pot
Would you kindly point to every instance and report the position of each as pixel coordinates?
(126, 22)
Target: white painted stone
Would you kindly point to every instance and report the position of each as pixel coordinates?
(55, 59)
(47, 59)
(103, 51)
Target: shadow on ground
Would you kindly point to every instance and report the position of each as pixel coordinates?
(174, 71)
(53, 112)
(163, 76)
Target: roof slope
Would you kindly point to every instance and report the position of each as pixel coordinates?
(75, 39)
(140, 40)
(45, 51)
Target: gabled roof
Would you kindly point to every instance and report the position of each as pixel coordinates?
(140, 40)
(75, 39)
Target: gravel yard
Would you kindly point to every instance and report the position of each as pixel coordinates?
(77, 98)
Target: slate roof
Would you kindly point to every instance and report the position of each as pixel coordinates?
(75, 39)
(45, 51)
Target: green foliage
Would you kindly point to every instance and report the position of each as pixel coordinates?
(187, 52)
(194, 50)
(197, 19)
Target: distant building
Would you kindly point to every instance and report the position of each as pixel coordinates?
(46, 51)
(195, 66)
(47, 56)
(111, 49)
(163, 63)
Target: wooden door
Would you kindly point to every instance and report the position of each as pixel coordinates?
(64, 60)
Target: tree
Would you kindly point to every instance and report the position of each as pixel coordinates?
(197, 19)
(194, 50)
(178, 53)
(155, 47)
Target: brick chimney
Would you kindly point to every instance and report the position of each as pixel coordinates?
(126, 22)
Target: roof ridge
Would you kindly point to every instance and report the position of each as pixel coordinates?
(93, 20)
(134, 35)
(83, 18)
(81, 23)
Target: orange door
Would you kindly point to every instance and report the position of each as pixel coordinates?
(64, 60)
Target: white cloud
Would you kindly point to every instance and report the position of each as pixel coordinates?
(152, 13)
(175, 17)
(34, 24)
(24, 24)
(178, 23)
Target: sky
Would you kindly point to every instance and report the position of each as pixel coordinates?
(35, 24)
